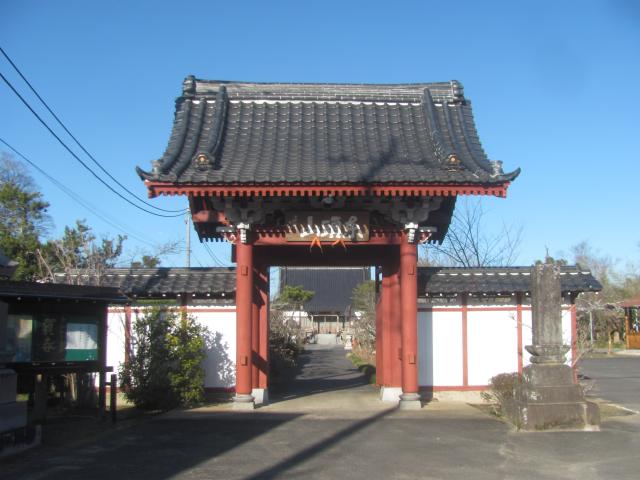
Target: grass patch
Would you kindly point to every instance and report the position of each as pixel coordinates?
(364, 367)
(608, 410)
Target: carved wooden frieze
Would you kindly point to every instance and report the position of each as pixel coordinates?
(329, 226)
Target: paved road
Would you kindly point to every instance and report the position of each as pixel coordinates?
(325, 440)
(327, 380)
(615, 378)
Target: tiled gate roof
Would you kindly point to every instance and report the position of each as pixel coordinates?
(234, 133)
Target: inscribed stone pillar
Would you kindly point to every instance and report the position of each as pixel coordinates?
(547, 346)
(547, 397)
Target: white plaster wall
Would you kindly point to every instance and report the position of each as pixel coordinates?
(527, 335)
(220, 363)
(492, 344)
(566, 332)
(440, 348)
(115, 338)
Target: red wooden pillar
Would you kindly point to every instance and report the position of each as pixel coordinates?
(409, 297)
(395, 324)
(391, 327)
(244, 309)
(263, 321)
(380, 361)
(255, 331)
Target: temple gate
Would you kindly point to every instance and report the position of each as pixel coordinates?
(319, 174)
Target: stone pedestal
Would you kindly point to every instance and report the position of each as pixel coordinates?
(410, 401)
(390, 394)
(548, 398)
(243, 402)
(15, 434)
(13, 414)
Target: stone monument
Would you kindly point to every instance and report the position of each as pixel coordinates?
(548, 397)
(15, 434)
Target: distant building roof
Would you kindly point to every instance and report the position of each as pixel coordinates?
(10, 289)
(632, 302)
(490, 280)
(165, 281)
(332, 286)
(238, 133)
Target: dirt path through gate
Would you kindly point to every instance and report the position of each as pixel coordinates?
(326, 381)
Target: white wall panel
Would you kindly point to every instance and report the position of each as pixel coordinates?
(440, 348)
(492, 344)
(221, 353)
(115, 338)
(566, 332)
(527, 335)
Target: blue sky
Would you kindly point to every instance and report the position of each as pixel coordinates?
(554, 87)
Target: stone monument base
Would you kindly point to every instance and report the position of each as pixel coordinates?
(548, 399)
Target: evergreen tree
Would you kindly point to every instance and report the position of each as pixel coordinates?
(23, 217)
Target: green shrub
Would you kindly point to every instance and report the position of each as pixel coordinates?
(165, 365)
(502, 392)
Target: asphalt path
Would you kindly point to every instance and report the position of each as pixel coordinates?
(301, 437)
(615, 378)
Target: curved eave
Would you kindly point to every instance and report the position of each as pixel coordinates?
(497, 189)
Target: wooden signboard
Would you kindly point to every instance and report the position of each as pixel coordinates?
(327, 226)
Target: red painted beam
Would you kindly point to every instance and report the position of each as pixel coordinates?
(282, 190)
(298, 255)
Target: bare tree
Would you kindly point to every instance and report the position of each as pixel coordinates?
(79, 255)
(600, 313)
(363, 304)
(470, 243)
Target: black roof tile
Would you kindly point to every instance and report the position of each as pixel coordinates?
(490, 280)
(11, 289)
(151, 282)
(253, 133)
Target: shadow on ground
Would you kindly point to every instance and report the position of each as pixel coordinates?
(321, 369)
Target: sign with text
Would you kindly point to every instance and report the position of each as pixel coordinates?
(327, 226)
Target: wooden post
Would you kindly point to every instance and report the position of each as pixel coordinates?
(255, 332)
(113, 400)
(244, 307)
(40, 398)
(127, 333)
(102, 355)
(410, 399)
(263, 350)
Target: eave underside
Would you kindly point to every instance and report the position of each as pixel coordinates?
(297, 190)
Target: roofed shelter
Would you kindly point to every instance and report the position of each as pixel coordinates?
(321, 175)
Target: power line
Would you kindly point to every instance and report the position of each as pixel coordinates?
(77, 198)
(99, 165)
(213, 256)
(78, 158)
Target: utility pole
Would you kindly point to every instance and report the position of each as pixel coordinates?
(187, 222)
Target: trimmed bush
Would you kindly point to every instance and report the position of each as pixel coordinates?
(165, 365)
